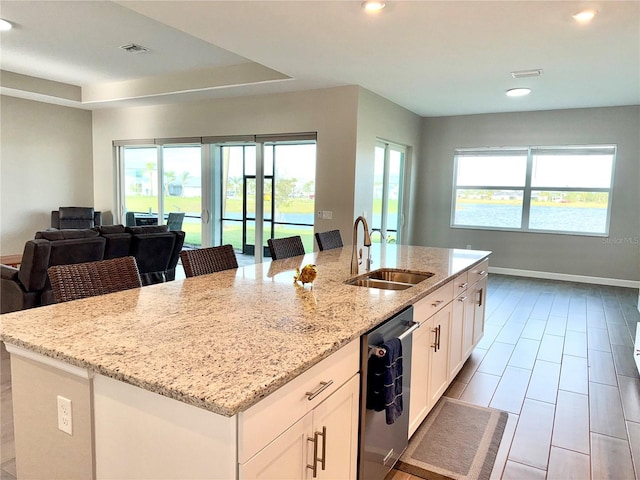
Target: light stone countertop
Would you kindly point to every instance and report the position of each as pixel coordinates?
(224, 341)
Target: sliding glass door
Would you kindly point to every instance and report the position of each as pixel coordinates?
(162, 182)
(287, 184)
(220, 190)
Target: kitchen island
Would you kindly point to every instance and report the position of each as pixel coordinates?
(199, 354)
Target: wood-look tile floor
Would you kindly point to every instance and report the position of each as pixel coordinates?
(557, 356)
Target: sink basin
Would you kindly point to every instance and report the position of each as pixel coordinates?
(390, 279)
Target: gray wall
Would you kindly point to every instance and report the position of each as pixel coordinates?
(379, 118)
(616, 257)
(45, 154)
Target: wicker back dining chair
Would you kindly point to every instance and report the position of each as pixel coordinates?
(329, 240)
(208, 260)
(285, 247)
(82, 280)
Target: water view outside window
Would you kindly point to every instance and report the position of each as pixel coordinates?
(550, 189)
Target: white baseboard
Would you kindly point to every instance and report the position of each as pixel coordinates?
(615, 282)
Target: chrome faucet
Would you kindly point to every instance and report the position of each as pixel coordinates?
(367, 243)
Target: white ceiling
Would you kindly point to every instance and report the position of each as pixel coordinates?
(434, 58)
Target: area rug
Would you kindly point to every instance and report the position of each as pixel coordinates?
(457, 441)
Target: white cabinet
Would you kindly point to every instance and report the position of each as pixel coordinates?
(479, 296)
(452, 324)
(429, 353)
(637, 347)
(317, 410)
(461, 343)
(418, 394)
(440, 326)
(322, 444)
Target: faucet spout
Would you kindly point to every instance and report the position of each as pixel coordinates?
(367, 242)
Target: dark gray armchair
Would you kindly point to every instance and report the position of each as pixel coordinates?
(29, 286)
(75, 217)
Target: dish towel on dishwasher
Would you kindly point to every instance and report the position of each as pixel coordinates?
(384, 380)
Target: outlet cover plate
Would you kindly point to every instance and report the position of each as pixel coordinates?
(65, 415)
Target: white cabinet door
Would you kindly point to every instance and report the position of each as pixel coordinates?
(480, 294)
(637, 347)
(456, 345)
(469, 303)
(283, 459)
(337, 419)
(418, 394)
(330, 431)
(440, 327)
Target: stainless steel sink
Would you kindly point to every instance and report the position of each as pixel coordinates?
(389, 279)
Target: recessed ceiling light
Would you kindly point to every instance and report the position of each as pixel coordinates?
(373, 5)
(518, 92)
(5, 25)
(585, 16)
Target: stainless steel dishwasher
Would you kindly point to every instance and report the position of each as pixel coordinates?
(381, 444)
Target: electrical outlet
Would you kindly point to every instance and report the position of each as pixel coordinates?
(327, 214)
(65, 415)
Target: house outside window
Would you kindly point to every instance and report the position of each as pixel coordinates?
(563, 189)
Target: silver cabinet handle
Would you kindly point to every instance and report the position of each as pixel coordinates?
(438, 337)
(482, 272)
(436, 303)
(637, 352)
(435, 340)
(463, 285)
(321, 388)
(462, 299)
(480, 296)
(324, 446)
(314, 466)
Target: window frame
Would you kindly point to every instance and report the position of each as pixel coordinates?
(527, 189)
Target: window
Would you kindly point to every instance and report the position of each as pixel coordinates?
(162, 179)
(387, 192)
(216, 182)
(541, 189)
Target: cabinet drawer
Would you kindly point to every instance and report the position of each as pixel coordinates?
(460, 283)
(478, 272)
(267, 419)
(432, 303)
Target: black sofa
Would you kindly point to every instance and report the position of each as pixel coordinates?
(155, 248)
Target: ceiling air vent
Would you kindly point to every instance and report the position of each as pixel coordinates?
(527, 73)
(133, 48)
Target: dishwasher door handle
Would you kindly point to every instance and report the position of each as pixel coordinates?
(414, 327)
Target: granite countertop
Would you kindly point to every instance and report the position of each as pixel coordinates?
(224, 341)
